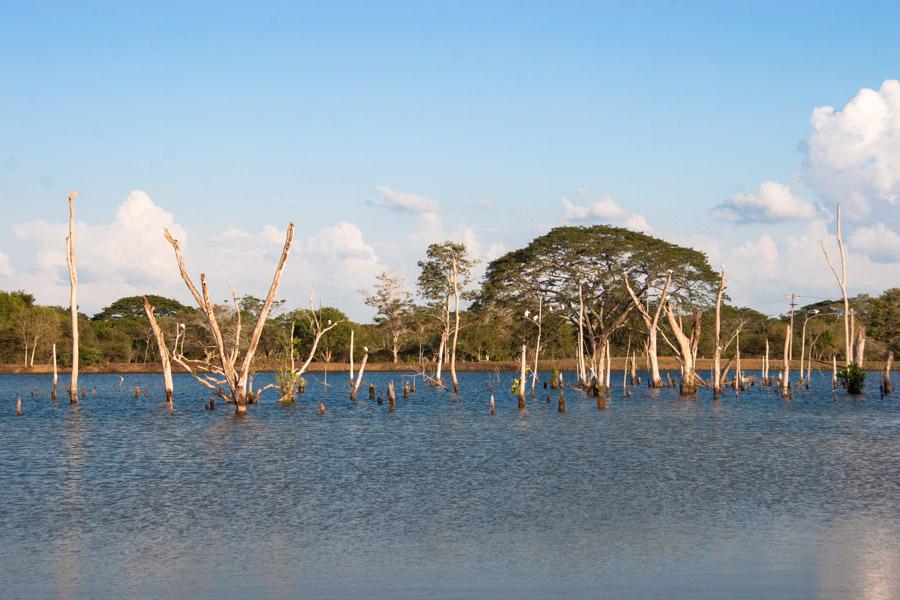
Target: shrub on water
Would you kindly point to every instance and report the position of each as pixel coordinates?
(515, 387)
(853, 377)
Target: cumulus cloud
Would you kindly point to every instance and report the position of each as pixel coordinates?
(129, 256)
(853, 154)
(878, 241)
(603, 209)
(6, 269)
(404, 201)
(771, 203)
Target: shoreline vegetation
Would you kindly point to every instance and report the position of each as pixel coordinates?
(666, 363)
(605, 298)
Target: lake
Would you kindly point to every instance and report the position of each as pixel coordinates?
(655, 497)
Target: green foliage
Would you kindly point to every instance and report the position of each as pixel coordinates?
(516, 387)
(853, 377)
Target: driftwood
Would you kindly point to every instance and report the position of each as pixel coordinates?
(223, 375)
(73, 297)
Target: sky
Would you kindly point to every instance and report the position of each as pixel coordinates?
(378, 128)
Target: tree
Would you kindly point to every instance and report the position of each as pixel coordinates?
(569, 262)
(393, 304)
(445, 274)
(221, 373)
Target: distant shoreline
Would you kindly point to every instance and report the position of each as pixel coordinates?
(666, 363)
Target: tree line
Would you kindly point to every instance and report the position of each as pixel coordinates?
(608, 280)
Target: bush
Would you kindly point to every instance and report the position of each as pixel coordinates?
(853, 377)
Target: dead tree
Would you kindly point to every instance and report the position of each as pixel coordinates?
(842, 283)
(860, 346)
(886, 375)
(582, 370)
(163, 350)
(522, 378)
(73, 297)
(652, 324)
(786, 364)
(717, 357)
(222, 374)
(455, 283)
(686, 351)
(55, 375)
(359, 374)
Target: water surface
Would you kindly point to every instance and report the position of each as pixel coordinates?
(654, 497)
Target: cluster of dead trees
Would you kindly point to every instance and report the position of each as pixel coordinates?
(594, 278)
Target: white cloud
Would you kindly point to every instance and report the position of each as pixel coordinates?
(853, 154)
(771, 203)
(603, 209)
(404, 201)
(877, 241)
(6, 269)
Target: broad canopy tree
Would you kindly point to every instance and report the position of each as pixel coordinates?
(596, 258)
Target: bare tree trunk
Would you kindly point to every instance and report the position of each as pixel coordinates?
(717, 357)
(163, 350)
(886, 376)
(738, 373)
(834, 374)
(55, 375)
(352, 332)
(842, 283)
(608, 365)
(455, 327)
(652, 324)
(582, 370)
(522, 379)
(73, 297)
(359, 376)
(687, 348)
(861, 346)
(786, 364)
(235, 380)
(537, 345)
(766, 363)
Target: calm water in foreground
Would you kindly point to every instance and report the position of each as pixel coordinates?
(655, 497)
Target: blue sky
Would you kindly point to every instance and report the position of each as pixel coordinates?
(238, 116)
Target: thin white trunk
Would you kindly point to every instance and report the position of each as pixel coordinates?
(786, 364)
(455, 275)
(73, 297)
(352, 332)
(842, 283)
(163, 350)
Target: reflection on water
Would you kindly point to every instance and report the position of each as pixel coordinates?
(656, 496)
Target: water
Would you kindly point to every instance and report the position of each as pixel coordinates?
(655, 497)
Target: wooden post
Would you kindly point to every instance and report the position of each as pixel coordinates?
(522, 379)
(321, 408)
(392, 398)
(18, 407)
(55, 375)
(371, 391)
(786, 364)
(561, 406)
(73, 297)
(492, 405)
(163, 350)
(406, 390)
